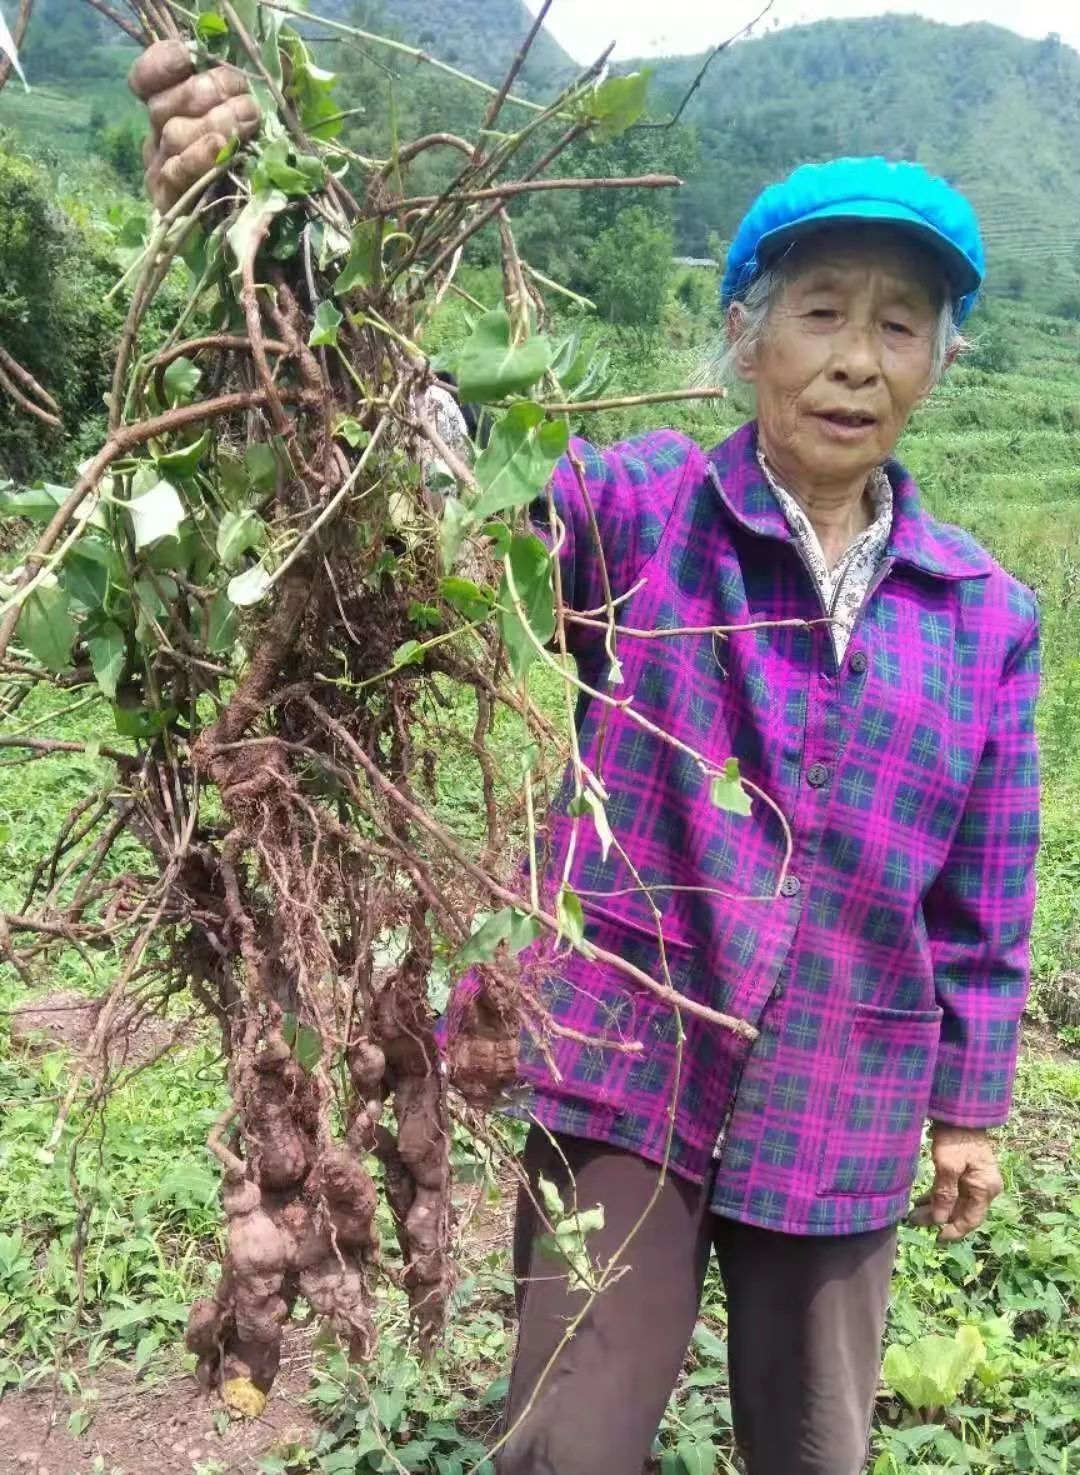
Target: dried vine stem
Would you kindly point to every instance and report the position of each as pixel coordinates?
(302, 638)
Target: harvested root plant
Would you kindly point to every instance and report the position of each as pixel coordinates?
(303, 611)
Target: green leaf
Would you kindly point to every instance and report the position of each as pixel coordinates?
(324, 331)
(210, 24)
(280, 168)
(262, 466)
(156, 514)
(554, 1207)
(311, 90)
(364, 263)
(570, 915)
(617, 104)
(135, 722)
(237, 532)
(249, 587)
(530, 565)
(40, 503)
(489, 367)
(247, 229)
(45, 626)
(698, 1456)
(221, 626)
(726, 790)
(516, 464)
(514, 928)
(185, 460)
(351, 431)
(456, 525)
(181, 380)
(930, 1372)
(470, 601)
(407, 653)
(308, 1047)
(108, 648)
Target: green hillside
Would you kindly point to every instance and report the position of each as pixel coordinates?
(997, 114)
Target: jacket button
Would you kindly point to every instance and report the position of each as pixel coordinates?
(859, 662)
(817, 775)
(791, 886)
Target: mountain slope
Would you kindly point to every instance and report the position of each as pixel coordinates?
(997, 114)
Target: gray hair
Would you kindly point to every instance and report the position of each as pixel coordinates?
(721, 361)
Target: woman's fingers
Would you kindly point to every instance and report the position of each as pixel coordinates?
(197, 96)
(159, 68)
(168, 180)
(237, 118)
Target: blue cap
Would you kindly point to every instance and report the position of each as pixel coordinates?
(864, 190)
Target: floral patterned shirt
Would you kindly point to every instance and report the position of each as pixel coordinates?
(844, 587)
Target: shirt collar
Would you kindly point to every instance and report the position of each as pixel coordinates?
(915, 538)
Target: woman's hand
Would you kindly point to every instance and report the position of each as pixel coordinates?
(966, 1182)
(192, 117)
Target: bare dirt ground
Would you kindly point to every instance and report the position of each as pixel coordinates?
(153, 1428)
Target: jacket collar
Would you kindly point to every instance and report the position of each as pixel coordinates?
(916, 538)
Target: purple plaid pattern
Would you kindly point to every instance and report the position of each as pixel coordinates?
(888, 978)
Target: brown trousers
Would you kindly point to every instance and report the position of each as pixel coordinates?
(805, 1322)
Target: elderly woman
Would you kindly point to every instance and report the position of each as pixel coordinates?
(882, 692)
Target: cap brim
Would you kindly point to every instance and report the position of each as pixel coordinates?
(962, 275)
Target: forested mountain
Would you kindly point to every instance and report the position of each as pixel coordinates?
(997, 114)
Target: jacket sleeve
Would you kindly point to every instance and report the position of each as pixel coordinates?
(632, 490)
(979, 910)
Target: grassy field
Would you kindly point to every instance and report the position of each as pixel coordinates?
(992, 1324)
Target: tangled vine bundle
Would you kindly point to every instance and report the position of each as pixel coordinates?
(304, 611)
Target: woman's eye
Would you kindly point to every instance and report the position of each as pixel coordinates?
(892, 326)
(823, 314)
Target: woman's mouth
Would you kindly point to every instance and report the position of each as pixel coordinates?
(845, 424)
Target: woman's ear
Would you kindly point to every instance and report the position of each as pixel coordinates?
(743, 362)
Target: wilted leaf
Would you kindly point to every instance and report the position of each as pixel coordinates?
(456, 525)
(156, 514)
(570, 915)
(490, 367)
(516, 464)
(324, 329)
(249, 587)
(726, 790)
(365, 256)
(246, 230)
(589, 803)
(237, 532)
(107, 645)
(46, 627)
(530, 565)
(221, 626)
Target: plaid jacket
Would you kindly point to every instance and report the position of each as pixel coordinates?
(888, 976)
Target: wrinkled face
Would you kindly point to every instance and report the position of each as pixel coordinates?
(846, 354)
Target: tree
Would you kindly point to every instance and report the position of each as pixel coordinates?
(629, 269)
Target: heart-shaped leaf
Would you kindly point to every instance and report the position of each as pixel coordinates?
(530, 566)
(237, 532)
(516, 464)
(324, 329)
(490, 367)
(108, 647)
(365, 257)
(46, 627)
(249, 587)
(156, 514)
(726, 790)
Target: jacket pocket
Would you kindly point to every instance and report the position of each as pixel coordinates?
(880, 1103)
